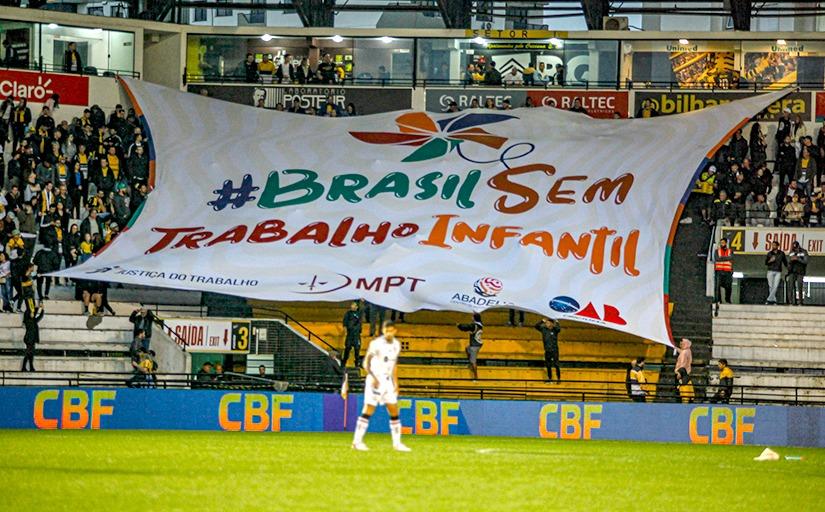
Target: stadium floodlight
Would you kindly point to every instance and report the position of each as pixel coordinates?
(479, 40)
(337, 39)
(52, 25)
(684, 41)
(267, 37)
(781, 42)
(386, 39)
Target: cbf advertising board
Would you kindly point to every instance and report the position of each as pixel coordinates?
(256, 411)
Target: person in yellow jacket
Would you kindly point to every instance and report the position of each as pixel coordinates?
(705, 188)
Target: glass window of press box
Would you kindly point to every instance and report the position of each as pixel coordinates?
(35, 45)
(359, 60)
(590, 63)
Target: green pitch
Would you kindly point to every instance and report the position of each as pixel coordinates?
(164, 471)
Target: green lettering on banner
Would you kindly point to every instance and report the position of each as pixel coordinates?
(307, 184)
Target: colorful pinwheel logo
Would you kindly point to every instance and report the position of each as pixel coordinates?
(437, 138)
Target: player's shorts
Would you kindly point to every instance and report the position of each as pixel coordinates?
(472, 353)
(387, 394)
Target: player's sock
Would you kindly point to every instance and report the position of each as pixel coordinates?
(395, 430)
(361, 428)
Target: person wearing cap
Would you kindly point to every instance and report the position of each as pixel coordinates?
(723, 270)
(797, 268)
(120, 205)
(704, 189)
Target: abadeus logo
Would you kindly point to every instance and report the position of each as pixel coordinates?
(485, 290)
(488, 286)
(570, 306)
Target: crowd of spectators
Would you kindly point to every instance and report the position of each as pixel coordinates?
(739, 188)
(68, 188)
(294, 71)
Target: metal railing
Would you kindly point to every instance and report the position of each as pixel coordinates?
(492, 389)
(53, 68)
(233, 78)
(291, 321)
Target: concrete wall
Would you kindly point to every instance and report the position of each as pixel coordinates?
(169, 356)
(164, 59)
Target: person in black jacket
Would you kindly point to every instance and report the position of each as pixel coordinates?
(786, 161)
(31, 319)
(774, 260)
(71, 59)
(352, 323)
(143, 319)
(476, 330)
(21, 117)
(797, 267)
(251, 69)
(550, 330)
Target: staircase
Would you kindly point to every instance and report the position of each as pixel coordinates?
(692, 310)
(773, 346)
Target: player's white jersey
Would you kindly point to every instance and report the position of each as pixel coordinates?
(384, 357)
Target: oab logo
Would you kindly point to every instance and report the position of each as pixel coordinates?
(488, 286)
(570, 306)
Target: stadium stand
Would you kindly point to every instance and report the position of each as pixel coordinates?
(511, 362)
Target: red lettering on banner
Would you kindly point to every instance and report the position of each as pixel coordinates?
(39, 87)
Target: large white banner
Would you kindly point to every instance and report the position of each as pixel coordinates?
(540, 209)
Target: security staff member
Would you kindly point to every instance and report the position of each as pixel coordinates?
(797, 267)
(352, 323)
(31, 319)
(550, 330)
(723, 268)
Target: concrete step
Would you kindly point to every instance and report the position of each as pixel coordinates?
(71, 335)
(64, 321)
(68, 345)
(136, 295)
(809, 322)
(778, 356)
(779, 380)
(69, 364)
(69, 306)
(772, 313)
(766, 338)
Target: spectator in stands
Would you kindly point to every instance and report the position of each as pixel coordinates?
(705, 190)
(204, 376)
(143, 367)
(786, 160)
(757, 144)
(512, 318)
(805, 170)
(251, 69)
(10, 58)
(725, 390)
(542, 75)
(476, 330)
(262, 371)
(352, 324)
(138, 342)
(377, 314)
(71, 59)
(559, 77)
(142, 320)
(21, 118)
(793, 211)
(325, 72)
(286, 73)
(797, 268)
(578, 107)
(550, 330)
(738, 147)
(528, 75)
(5, 283)
(722, 211)
(27, 287)
(814, 208)
(723, 270)
(684, 361)
(266, 69)
(741, 190)
(783, 126)
(774, 260)
(304, 73)
(512, 77)
(637, 380)
(647, 109)
(759, 213)
(31, 322)
(47, 260)
(92, 298)
(491, 74)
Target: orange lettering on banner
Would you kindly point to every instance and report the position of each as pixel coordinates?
(75, 414)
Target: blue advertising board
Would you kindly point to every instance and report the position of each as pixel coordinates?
(260, 411)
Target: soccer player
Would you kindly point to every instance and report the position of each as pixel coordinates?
(381, 386)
